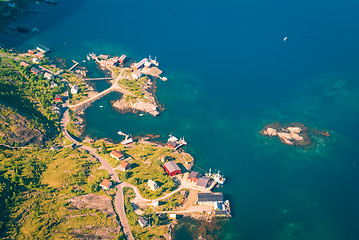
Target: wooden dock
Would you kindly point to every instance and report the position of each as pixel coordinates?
(97, 79)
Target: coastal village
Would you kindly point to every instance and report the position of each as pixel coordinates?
(157, 177)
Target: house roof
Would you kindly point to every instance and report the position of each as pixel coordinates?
(151, 183)
(116, 153)
(194, 175)
(210, 197)
(220, 213)
(142, 221)
(203, 182)
(171, 166)
(105, 183)
(172, 143)
(35, 70)
(58, 96)
(124, 165)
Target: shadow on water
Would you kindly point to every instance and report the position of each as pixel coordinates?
(48, 15)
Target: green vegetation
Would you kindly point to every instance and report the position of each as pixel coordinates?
(73, 127)
(158, 226)
(34, 188)
(146, 165)
(134, 86)
(29, 94)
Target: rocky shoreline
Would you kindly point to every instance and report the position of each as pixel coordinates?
(294, 134)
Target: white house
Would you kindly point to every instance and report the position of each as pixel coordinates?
(74, 89)
(152, 184)
(136, 74)
(48, 75)
(35, 60)
(142, 221)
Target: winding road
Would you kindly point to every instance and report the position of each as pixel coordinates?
(119, 199)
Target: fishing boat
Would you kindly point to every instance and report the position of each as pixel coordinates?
(220, 179)
(285, 39)
(153, 61)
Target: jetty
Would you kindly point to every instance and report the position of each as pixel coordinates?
(97, 79)
(75, 64)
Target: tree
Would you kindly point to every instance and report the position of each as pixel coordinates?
(155, 218)
(103, 147)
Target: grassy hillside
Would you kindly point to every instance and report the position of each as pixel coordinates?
(35, 189)
(30, 95)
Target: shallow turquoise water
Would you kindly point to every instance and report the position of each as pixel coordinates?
(230, 73)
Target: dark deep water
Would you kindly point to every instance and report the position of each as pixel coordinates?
(230, 73)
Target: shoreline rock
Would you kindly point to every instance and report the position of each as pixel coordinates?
(294, 134)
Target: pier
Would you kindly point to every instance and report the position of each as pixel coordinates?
(76, 63)
(97, 79)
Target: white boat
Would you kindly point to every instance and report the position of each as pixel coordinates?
(285, 39)
(101, 106)
(88, 57)
(153, 61)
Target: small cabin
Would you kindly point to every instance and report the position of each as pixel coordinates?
(58, 98)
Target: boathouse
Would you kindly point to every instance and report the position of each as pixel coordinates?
(116, 154)
(209, 198)
(172, 168)
(122, 59)
(172, 144)
(203, 182)
(140, 64)
(194, 176)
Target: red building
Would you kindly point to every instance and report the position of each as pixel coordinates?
(58, 98)
(172, 168)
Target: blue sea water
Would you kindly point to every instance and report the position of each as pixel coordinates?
(230, 73)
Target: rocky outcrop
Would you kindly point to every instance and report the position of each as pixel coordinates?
(16, 129)
(136, 106)
(296, 134)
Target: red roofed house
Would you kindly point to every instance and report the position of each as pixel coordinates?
(58, 98)
(172, 168)
(106, 184)
(116, 154)
(124, 166)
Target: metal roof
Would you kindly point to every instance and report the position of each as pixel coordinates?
(171, 166)
(210, 197)
(203, 182)
(194, 175)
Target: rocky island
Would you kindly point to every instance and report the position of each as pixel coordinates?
(295, 134)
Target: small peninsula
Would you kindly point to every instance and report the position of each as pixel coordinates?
(294, 134)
